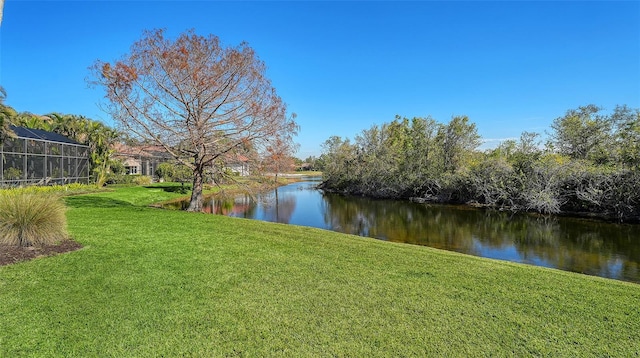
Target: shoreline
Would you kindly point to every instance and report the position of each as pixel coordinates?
(601, 217)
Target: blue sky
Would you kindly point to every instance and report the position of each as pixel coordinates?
(344, 66)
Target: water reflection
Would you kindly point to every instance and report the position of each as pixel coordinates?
(594, 248)
(590, 247)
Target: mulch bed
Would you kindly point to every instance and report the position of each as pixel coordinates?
(11, 254)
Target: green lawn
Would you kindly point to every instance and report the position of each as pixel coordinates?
(151, 282)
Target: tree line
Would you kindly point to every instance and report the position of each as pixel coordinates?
(590, 164)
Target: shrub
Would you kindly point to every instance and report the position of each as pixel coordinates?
(13, 173)
(166, 171)
(142, 180)
(67, 189)
(120, 179)
(117, 167)
(129, 179)
(493, 181)
(28, 219)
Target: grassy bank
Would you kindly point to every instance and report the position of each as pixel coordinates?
(152, 282)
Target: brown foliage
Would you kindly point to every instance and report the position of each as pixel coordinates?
(201, 101)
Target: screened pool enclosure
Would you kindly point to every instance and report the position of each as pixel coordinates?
(37, 157)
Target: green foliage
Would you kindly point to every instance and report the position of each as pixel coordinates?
(67, 189)
(6, 115)
(457, 140)
(182, 173)
(627, 136)
(128, 179)
(142, 180)
(311, 163)
(169, 171)
(165, 171)
(117, 167)
(28, 219)
(591, 164)
(12, 173)
(404, 158)
(120, 179)
(587, 134)
(582, 134)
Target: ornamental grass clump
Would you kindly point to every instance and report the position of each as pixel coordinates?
(28, 219)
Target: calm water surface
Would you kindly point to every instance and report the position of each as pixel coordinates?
(591, 247)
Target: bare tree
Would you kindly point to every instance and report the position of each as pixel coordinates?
(199, 100)
(279, 155)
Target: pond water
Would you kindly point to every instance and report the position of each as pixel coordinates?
(590, 247)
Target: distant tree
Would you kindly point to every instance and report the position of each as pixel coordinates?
(526, 152)
(320, 162)
(279, 157)
(458, 138)
(529, 143)
(199, 100)
(6, 112)
(340, 166)
(421, 162)
(583, 133)
(627, 135)
(311, 163)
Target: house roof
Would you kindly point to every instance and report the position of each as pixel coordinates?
(142, 151)
(128, 150)
(40, 134)
(157, 151)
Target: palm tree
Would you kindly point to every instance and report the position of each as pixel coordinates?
(6, 114)
(33, 121)
(96, 135)
(100, 140)
(70, 125)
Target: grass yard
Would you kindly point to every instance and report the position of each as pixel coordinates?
(152, 282)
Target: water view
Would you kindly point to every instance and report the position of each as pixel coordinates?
(590, 247)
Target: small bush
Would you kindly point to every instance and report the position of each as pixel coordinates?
(28, 219)
(120, 179)
(166, 171)
(129, 179)
(13, 173)
(73, 188)
(142, 180)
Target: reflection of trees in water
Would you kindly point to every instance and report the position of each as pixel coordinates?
(274, 206)
(591, 247)
(278, 206)
(240, 206)
(398, 221)
(604, 249)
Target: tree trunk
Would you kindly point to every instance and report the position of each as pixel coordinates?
(196, 193)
